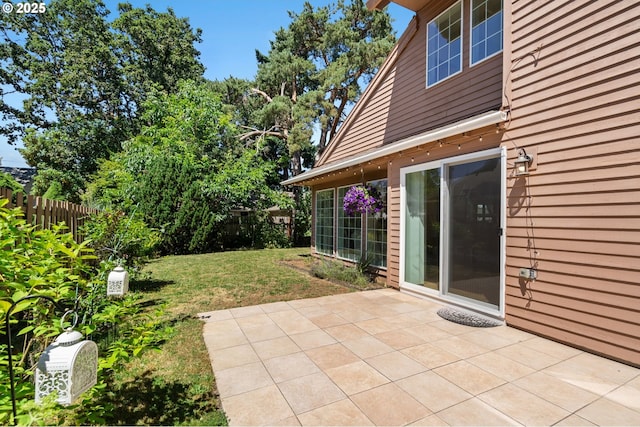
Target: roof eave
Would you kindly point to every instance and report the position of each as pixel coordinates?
(467, 125)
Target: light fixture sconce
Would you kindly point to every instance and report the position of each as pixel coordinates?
(523, 162)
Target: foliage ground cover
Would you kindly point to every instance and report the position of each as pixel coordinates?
(358, 276)
(37, 263)
(175, 385)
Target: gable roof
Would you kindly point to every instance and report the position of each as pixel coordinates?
(396, 113)
(371, 89)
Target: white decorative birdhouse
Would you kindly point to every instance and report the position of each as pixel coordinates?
(118, 282)
(68, 366)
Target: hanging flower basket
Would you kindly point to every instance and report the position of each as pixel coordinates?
(361, 199)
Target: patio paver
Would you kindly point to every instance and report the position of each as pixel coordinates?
(385, 358)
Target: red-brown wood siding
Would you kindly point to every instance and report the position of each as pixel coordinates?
(575, 100)
(571, 80)
(402, 106)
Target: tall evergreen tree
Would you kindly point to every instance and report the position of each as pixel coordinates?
(314, 71)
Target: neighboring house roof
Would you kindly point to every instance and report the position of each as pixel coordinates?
(24, 176)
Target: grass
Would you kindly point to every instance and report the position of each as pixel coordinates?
(175, 386)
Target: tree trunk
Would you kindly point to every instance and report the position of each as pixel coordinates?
(296, 163)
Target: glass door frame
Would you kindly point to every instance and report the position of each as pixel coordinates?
(441, 293)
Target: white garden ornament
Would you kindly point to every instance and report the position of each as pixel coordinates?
(118, 282)
(68, 366)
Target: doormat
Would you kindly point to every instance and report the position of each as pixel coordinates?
(467, 318)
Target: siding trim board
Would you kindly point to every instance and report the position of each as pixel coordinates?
(381, 77)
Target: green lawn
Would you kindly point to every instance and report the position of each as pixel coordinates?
(175, 385)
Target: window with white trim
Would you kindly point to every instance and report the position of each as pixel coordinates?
(444, 45)
(486, 29)
(349, 231)
(377, 228)
(324, 221)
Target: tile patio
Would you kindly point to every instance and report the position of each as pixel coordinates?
(385, 358)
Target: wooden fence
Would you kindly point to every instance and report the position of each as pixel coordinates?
(45, 212)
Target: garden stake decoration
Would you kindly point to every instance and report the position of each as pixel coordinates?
(81, 358)
(118, 282)
(361, 199)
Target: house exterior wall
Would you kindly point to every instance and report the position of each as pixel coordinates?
(575, 103)
(402, 105)
(569, 77)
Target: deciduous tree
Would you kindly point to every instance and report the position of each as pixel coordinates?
(82, 79)
(186, 171)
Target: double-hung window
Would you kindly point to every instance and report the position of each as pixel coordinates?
(324, 221)
(444, 45)
(486, 29)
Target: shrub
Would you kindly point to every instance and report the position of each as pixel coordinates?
(120, 239)
(50, 263)
(7, 181)
(302, 218)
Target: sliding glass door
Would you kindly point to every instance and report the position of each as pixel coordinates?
(422, 220)
(474, 230)
(452, 219)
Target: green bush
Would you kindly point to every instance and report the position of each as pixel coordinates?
(302, 218)
(122, 239)
(50, 263)
(7, 181)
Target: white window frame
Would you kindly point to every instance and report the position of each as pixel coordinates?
(333, 227)
(461, 3)
(471, 63)
(365, 243)
(339, 205)
(441, 294)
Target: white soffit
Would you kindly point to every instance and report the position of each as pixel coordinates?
(467, 125)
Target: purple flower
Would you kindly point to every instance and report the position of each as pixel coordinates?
(361, 200)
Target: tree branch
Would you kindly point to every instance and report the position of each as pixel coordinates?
(246, 135)
(261, 93)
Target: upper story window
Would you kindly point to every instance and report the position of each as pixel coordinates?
(486, 29)
(444, 45)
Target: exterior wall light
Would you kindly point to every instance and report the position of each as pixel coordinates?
(68, 367)
(523, 162)
(118, 282)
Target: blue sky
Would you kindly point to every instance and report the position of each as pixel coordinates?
(231, 32)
